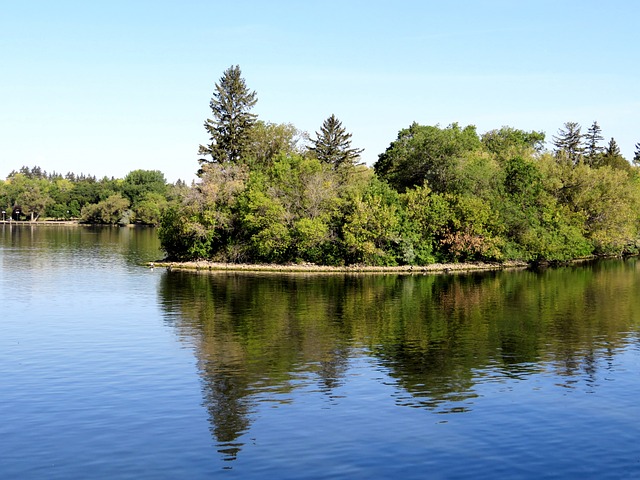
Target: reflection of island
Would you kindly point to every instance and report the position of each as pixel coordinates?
(437, 336)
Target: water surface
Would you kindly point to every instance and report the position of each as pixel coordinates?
(112, 370)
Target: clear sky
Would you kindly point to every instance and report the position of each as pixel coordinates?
(106, 87)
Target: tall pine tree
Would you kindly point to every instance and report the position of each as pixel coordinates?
(228, 130)
(333, 144)
(568, 143)
(592, 148)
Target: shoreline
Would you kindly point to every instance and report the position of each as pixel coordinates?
(68, 223)
(435, 268)
(40, 222)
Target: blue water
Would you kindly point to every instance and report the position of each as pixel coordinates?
(109, 369)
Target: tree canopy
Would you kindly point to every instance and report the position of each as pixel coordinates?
(426, 153)
(140, 197)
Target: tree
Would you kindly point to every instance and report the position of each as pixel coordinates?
(371, 226)
(592, 138)
(333, 144)
(149, 208)
(568, 143)
(612, 148)
(138, 183)
(427, 153)
(508, 140)
(267, 140)
(34, 200)
(230, 104)
(112, 210)
(613, 157)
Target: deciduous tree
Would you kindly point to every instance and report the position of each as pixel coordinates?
(427, 153)
(138, 183)
(508, 140)
(267, 140)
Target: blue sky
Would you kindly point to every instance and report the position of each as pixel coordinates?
(106, 87)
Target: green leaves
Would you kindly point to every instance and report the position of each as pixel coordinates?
(109, 211)
(435, 194)
(426, 153)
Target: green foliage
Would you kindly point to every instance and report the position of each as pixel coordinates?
(41, 195)
(371, 230)
(509, 141)
(149, 208)
(592, 148)
(522, 181)
(478, 173)
(333, 144)
(34, 199)
(612, 157)
(469, 233)
(182, 235)
(312, 238)
(266, 141)
(289, 210)
(201, 222)
(427, 153)
(427, 215)
(435, 194)
(440, 195)
(609, 200)
(605, 199)
(229, 129)
(139, 183)
(568, 143)
(110, 211)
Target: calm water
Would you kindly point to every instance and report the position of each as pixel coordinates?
(112, 370)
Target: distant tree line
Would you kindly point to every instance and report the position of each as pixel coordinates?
(270, 193)
(33, 194)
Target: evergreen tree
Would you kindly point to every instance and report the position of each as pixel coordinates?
(231, 104)
(592, 138)
(568, 143)
(613, 150)
(636, 156)
(613, 157)
(333, 144)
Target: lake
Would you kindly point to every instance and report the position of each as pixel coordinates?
(109, 369)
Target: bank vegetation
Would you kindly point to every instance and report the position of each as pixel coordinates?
(269, 193)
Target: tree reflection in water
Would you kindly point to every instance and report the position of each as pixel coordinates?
(438, 337)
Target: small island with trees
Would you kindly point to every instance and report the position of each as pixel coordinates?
(270, 194)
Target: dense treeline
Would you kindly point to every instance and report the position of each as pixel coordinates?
(140, 197)
(268, 193)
